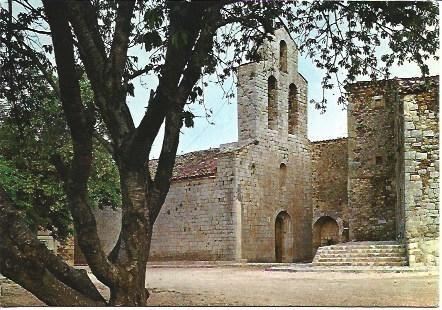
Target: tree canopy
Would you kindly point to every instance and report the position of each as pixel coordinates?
(32, 131)
(67, 43)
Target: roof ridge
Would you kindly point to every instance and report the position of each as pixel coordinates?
(412, 78)
(329, 140)
(191, 165)
(192, 152)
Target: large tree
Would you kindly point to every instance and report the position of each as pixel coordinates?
(183, 40)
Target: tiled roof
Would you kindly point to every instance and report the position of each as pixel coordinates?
(192, 165)
(330, 140)
(405, 85)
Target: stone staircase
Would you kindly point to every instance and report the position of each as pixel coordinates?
(364, 253)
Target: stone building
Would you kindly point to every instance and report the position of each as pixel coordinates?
(274, 196)
(382, 182)
(393, 183)
(249, 200)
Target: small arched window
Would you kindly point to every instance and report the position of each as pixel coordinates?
(293, 109)
(282, 175)
(272, 103)
(283, 56)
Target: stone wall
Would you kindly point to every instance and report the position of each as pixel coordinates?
(396, 122)
(108, 226)
(372, 156)
(421, 179)
(329, 185)
(196, 221)
(264, 190)
(108, 222)
(66, 250)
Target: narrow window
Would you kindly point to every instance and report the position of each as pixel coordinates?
(378, 160)
(377, 102)
(283, 56)
(293, 109)
(272, 104)
(282, 175)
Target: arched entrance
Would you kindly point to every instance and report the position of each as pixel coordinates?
(283, 238)
(325, 232)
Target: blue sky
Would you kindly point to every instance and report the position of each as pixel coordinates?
(204, 135)
(328, 125)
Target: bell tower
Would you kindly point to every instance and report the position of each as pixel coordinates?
(272, 95)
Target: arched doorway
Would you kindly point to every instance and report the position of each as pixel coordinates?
(283, 238)
(325, 232)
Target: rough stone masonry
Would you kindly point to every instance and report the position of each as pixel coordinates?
(393, 147)
(274, 196)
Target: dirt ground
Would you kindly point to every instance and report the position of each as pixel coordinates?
(241, 286)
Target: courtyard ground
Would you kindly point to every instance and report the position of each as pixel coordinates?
(247, 286)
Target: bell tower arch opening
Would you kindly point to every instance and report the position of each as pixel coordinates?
(283, 56)
(272, 103)
(292, 109)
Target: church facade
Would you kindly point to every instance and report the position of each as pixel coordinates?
(274, 196)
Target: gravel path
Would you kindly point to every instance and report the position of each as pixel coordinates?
(245, 286)
(257, 287)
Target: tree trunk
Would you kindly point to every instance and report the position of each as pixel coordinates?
(135, 237)
(131, 291)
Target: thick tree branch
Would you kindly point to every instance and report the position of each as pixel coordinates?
(81, 128)
(190, 77)
(184, 18)
(61, 167)
(34, 30)
(137, 220)
(120, 43)
(166, 162)
(83, 17)
(105, 74)
(25, 260)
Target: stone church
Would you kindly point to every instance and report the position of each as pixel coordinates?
(274, 196)
(249, 200)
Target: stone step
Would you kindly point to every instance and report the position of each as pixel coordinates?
(352, 254)
(363, 247)
(370, 253)
(331, 254)
(355, 254)
(362, 259)
(362, 250)
(359, 263)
